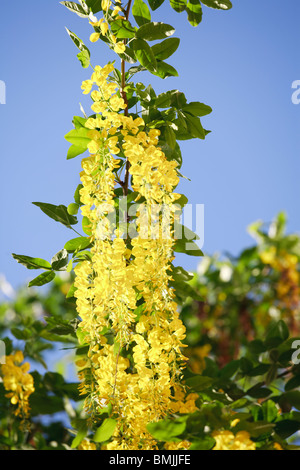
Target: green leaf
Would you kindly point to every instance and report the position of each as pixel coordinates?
(144, 54)
(77, 194)
(20, 334)
(269, 411)
(218, 4)
(180, 274)
(230, 369)
(82, 432)
(94, 5)
(79, 121)
(75, 8)
(154, 31)
(276, 335)
(169, 136)
(105, 431)
(271, 374)
(194, 126)
(174, 98)
(187, 247)
(164, 99)
(206, 443)
(183, 290)
(259, 391)
(291, 397)
(199, 382)
(141, 12)
(84, 58)
(164, 70)
(75, 151)
(286, 428)
(185, 233)
(256, 429)
(77, 244)
(79, 137)
(122, 29)
(32, 263)
(71, 292)
(78, 42)
(60, 260)
(194, 11)
(257, 347)
(261, 369)
(172, 153)
(195, 108)
(154, 4)
(57, 213)
(42, 279)
(294, 382)
(165, 430)
(178, 5)
(166, 48)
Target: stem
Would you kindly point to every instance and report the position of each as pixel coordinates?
(76, 231)
(124, 96)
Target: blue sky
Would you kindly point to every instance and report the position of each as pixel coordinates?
(242, 63)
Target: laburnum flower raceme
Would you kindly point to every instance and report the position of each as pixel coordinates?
(130, 320)
(102, 27)
(18, 382)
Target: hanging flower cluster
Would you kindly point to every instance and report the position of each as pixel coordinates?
(102, 27)
(129, 316)
(18, 382)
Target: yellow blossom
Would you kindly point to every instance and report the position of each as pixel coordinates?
(105, 4)
(226, 440)
(119, 48)
(18, 383)
(87, 445)
(104, 28)
(94, 37)
(110, 284)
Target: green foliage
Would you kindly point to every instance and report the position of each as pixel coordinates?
(240, 313)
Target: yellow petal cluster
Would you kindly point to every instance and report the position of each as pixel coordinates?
(18, 382)
(123, 288)
(87, 445)
(102, 26)
(288, 285)
(226, 440)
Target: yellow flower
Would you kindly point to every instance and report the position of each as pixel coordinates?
(234, 422)
(119, 48)
(182, 445)
(87, 445)
(86, 86)
(18, 382)
(226, 440)
(104, 28)
(277, 446)
(105, 4)
(94, 37)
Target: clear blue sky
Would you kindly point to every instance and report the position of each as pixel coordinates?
(241, 62)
